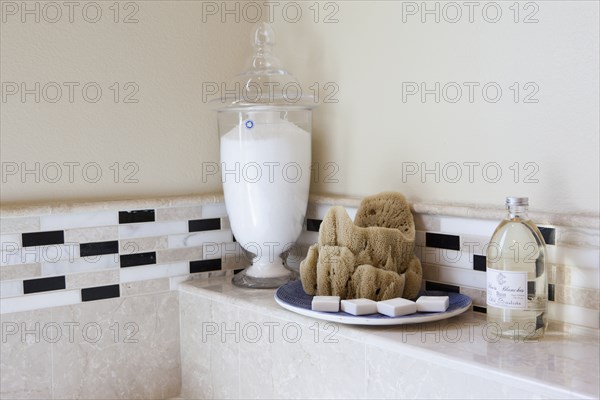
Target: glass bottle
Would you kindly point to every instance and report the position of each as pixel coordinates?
(516, 275)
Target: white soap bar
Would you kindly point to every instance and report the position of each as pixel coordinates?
(326, 303)
(359, 306)
(396, 307)
(433, 303)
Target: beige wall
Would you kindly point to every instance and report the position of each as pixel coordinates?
(164, 137)
(372, 137)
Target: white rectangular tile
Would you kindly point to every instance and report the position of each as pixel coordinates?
(573, 314)
(427, 223)
(143, 287)
(85, 264)
(19, 224)
(146, 229)
(178, 213)
(225, 223)
(200, 238)
(214, 210)
(11, 289)
(420, 238)
(573, 256)
(181, 254)
(430, 272)
(478, 296)
(91, 279)
(20, 271)
(10, 240)
(141, 245)
(92, 234)
(583, 277)
(578, 237)
(474, 244)
(450, 258)
(457, 276)
(142, 273)
(40, 301)
(468, 226)
(79, 220)
(36, 254)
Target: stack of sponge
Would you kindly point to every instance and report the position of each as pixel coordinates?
(372, 257)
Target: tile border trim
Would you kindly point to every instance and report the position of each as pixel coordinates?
(579, 220)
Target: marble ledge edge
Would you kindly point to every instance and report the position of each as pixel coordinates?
(579, 220)
(371, 335)
(34, 210)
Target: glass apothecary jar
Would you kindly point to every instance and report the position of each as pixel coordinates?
(265, 123)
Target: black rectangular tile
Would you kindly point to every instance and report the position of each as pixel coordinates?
(133, 260)
(210, 224)
(43, 238)
(43, 284)
(135, 216)
(530, 289)
(549, 234)
(539, 322)
(444, 287)
(237, 271)
(313, 225)
(100, 292)
(480, 309)
(205, 265)
(98, 248)
(551, 292)
(441, 241)
(479, 263)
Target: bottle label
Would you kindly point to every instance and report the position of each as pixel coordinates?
(506, 289)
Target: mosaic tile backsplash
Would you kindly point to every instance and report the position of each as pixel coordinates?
(65, 255)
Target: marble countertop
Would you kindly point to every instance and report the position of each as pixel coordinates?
(566, 361)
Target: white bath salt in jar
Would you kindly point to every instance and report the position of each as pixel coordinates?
(265, 162)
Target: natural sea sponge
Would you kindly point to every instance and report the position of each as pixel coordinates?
(370, 258)
(372, 283)
(389, 210)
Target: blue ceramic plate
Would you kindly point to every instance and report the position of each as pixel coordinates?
(291, 296)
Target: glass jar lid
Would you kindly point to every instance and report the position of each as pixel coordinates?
(265, 84)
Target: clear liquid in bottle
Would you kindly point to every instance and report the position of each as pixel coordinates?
(516, 275)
